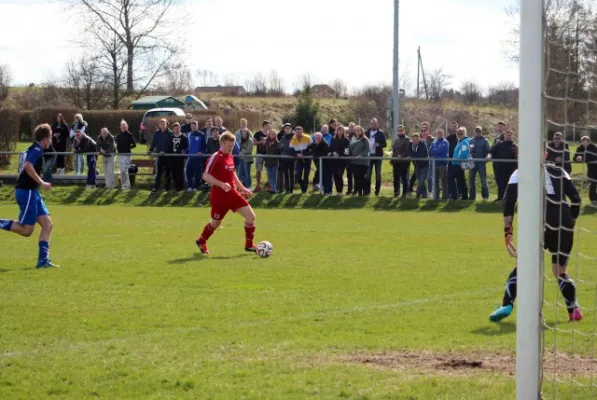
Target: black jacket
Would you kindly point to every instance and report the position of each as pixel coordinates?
(213, 145)
(340, 145)
(186, 128)
(85, 145)
(505, 151)
(178, 145)
(60, 134)
(453, 142)
(107, 144)
(563, 152)
(588, 155)
(380, 139)
(319, 150)
(417, 152)
(125, 142)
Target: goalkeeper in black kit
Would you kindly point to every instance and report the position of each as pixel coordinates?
(560, 218)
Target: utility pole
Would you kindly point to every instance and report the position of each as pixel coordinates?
(396, 92)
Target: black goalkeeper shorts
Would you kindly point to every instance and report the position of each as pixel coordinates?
(559, 243)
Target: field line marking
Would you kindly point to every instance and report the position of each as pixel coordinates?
(164, 332)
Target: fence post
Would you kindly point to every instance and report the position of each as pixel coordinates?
(321, 175)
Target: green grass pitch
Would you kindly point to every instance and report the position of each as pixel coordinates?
(354, 303)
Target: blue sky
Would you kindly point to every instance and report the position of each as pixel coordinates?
(326, 38)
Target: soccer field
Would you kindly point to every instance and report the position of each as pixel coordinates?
(359, 304)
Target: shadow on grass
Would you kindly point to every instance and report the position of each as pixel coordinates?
(456, 206)
(503, 328)
(2, 270)
(200, 257)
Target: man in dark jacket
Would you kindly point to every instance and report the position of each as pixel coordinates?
(500, 135)
(286, 167)
(186, 128)
(587, 152)
(377, 142)
(159, 144)
(452, 139)
(84, 144)
(319, 148)
(504, 150)
(417, 151)
(179, 144)
(400, 167)
(559, 153)
(60, 134)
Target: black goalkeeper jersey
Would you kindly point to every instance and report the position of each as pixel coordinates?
(32, 155)
(558, 188)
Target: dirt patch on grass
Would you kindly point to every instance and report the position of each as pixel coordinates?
(461, 363)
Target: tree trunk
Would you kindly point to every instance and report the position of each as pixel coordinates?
(129, 68)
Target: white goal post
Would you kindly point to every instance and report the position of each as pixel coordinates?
(530, 201)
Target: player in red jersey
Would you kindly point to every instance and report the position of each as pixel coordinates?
(227, 193)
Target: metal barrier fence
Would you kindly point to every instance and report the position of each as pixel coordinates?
(466, 163)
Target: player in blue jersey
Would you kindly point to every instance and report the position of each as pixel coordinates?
(33, 209)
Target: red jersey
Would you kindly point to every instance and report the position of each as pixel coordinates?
(221, 167)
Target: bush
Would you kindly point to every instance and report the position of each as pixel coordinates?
(9, 133)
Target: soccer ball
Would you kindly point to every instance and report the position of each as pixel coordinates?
(264, 249)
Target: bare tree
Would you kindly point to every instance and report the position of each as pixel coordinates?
(339, 87)
(276, 85)
(85, 86)
(143, 27)
(5, 82)
(438, 82)
(178, 79)
(257, 86)
(471, 92)
(505, 93)
(231, 80)
(207, 78)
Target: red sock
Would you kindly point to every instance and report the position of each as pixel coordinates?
(249, 235)
(206, 234)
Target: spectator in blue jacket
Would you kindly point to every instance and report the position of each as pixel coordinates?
(479, 149)
(440, 149)
(417, 151)
(197, 148)
(460, 163)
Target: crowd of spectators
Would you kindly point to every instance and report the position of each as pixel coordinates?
(349, 157)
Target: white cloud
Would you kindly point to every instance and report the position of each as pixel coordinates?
(326, 38)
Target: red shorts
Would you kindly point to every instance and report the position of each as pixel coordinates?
(221, 203)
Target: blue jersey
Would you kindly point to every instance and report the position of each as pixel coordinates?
(33, 155)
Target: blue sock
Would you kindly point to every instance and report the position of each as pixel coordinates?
(44, 251)
(6, 224)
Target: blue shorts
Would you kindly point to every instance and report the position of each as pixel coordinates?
(31, 205)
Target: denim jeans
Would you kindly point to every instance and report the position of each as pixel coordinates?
(47, 169)
(79, 164)
(480, 168)
(272, 176)
(377, 165)
(422, 174)
(244, 172)
(91, 170)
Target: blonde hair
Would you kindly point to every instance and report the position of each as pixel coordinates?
(244, 120)
(227, 137)
(125, 123)
(359, 128)
(462, 130)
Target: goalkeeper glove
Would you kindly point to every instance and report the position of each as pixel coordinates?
(508, 232)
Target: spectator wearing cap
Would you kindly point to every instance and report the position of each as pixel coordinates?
(300, 146)
(186, 128)
(417, 151)
(587, 152)
(479, 150)
(197, 148)
(178, 145)
(558, 152)
(259, 140)
(286, 169)
(377, 142)
(105, 146)
(504, 149)
(440, 151)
